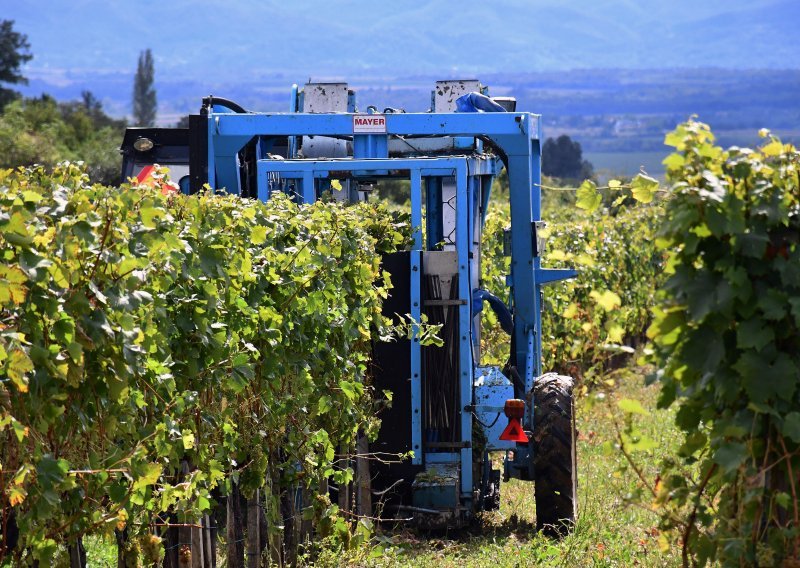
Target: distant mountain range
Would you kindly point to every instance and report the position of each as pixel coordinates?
(613, 74)
(202, 46)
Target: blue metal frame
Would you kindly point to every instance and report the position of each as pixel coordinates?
(416, 358)
(463, 250)
(514, 136)
(491, 390)
(416, 314)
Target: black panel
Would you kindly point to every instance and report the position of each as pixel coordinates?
(170, 146)
(391, 370)
(198, 152)
(441, 391)
(160, 136)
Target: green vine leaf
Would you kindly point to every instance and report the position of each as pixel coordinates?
(630, 406)
(588, 198)
(643, 188)
(731, 456)
(18, 367)
(148, 475)
(791, 426)
(607, 299)
(12, 285)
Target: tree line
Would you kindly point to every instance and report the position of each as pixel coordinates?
(42, 130)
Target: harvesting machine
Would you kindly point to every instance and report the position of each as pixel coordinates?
(450, 414)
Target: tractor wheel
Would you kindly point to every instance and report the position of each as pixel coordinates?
(555, 460)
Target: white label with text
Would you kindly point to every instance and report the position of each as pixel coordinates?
(369, 123)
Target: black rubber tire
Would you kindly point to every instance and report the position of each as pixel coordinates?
(555, 460)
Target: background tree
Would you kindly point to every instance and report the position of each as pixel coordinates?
(44, 131)
(563, 158)
(183, 122)
(14, 53)
(144, 93)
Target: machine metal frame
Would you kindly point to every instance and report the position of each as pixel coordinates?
(477, 145)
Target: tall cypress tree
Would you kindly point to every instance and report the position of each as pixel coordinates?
(14, 53)
(144, 93)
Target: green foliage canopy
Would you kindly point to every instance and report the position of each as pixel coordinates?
(603, 311)
(727, 340)
(140, 331)
(43, 131)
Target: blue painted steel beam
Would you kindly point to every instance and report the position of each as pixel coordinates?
(473, 215)
(442, 458)
(463, 248)
(442, 166)
(292, 141)
(406, 124)
(523, 162)
(416, 207)
(370, 146)
(536, 198)
(486, 193)
(428, 166)
(550, 275)
(416, 358)
(309, 188)
(522, 262)
(416, 311)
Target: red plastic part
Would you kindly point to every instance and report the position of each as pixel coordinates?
(514, 432)
(146, 177)
(514, 408)
(144, 174)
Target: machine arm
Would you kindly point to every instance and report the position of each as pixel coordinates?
(498, 307)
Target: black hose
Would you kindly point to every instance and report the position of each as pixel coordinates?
(487, 426)
(211, 100)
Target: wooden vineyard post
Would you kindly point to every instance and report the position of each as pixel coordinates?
(343, 494)
(190, 555)
(209, 538)
(121, 536)
(253, 533)
(197, 546)
(77, 554)
(363, 489)
(234, 528)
